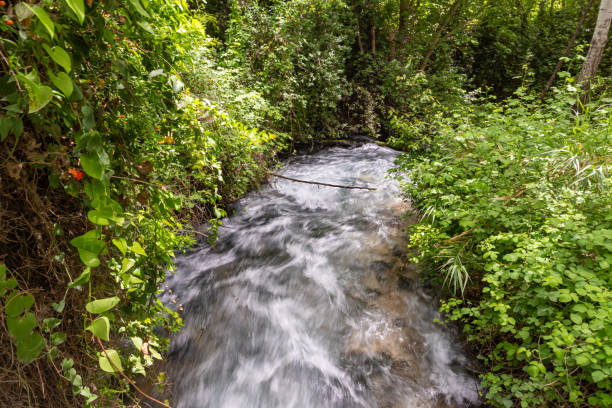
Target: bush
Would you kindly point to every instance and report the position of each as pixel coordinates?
(107, 156)
(516, 207)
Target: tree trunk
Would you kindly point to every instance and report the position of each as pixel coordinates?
(359, 42)
(373, 36)
(392, 36)
(598, 44)
(404, 8)
(552, 78)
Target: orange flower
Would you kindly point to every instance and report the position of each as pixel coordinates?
(76, 173)
(9, 22)
(2, 3)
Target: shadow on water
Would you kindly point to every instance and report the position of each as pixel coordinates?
(305, 301)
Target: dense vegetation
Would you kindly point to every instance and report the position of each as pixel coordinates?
(126, 124)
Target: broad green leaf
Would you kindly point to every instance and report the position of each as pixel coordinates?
(10, 124)
(59, 306)
(50, 323)
(90, 259)
(105, 363)
(121, 245)
(6, 124)
(100, 328)
(97, 217)
(137, 248)
(102, 305)
(39, 95)
(137, 342)
(89, 120)
(40, 98)
(139, 8)
(60, 56)
(576, 318)
(30, 348)
(78, 7)
(127, 264)
(63, 82)
(91, 165)
(82, 279)
(58, 338)
(20, 328)
(16, 305)
(598, 375)
(103, 215)
(89, 246)
(5, 284)
(44, 19)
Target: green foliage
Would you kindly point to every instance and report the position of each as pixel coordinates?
(98, 89)
(296, 53)
(516, 198)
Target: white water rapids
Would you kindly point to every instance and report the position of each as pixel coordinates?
(306, 301)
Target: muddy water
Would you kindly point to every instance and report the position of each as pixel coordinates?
(305, 301)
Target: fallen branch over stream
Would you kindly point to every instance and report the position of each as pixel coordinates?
(321, 184)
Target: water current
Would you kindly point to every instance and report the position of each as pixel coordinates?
(306, 301)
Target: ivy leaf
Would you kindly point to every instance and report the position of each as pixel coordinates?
(5, 284)
(39, 95)
(60, 56)
(30, 347)
(18, 304)
(102, 305)
(50, 323)
(137, 248)
(63, 82)
(89, 246)
(21, 328)
(92, 166)
(82, 279)
(105, 363)
(100, 328)
(103, 215)
(44, 19)
(121, 244)
(58, 338)
(78, 7)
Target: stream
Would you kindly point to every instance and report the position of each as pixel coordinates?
(306, 301)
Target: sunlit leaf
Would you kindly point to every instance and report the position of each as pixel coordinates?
(100, 328)
(102, 305)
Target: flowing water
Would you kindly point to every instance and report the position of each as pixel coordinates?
(305, 301)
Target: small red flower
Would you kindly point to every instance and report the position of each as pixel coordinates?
(122, 116)
(76, 173)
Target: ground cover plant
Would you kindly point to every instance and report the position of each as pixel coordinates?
(517, 222)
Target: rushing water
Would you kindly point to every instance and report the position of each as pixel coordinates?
(305, 301)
